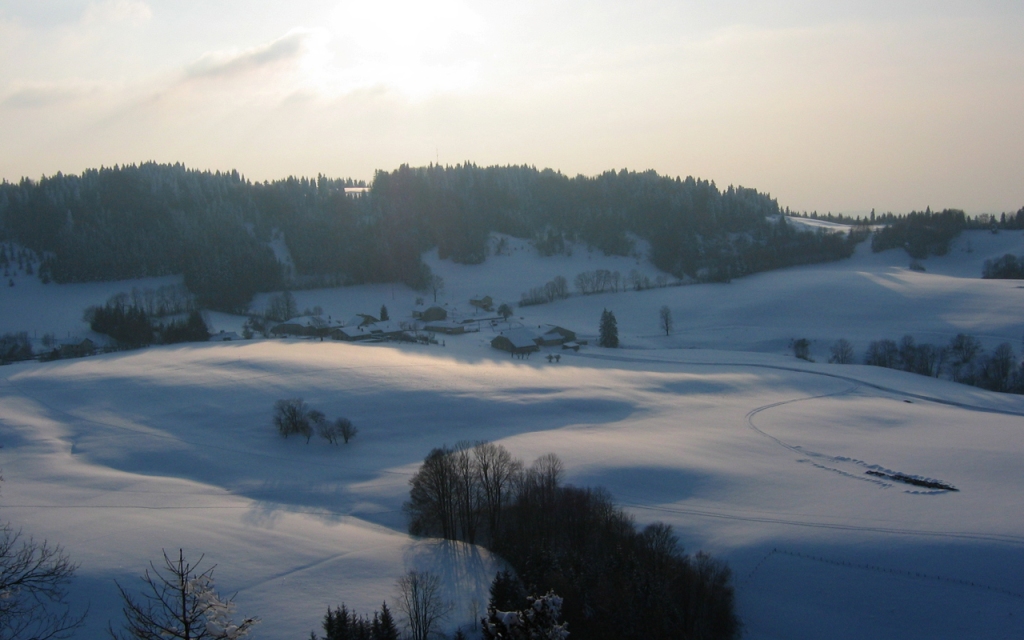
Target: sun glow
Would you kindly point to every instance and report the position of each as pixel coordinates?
(413, 48)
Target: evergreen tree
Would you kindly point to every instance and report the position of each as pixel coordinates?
(384, 313)
(387, 629)
(609, 330)
(507, 592)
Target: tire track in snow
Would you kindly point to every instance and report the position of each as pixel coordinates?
(804, 452)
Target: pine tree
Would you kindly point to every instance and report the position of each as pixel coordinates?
(384, 313)
(609, 330)
(507, 592)
(388, 630)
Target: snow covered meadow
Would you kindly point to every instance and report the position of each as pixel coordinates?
(749, 453)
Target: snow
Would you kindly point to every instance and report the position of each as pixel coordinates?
(716, 429)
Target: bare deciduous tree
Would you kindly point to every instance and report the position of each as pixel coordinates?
(339, 429)
(293, 416)
(33, 589)
(421, 604)
(665, 319)
(346, 429)
(496, 471)
(179, 603)
(841, 352)
(435, 285)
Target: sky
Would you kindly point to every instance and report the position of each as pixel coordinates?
(827, 106)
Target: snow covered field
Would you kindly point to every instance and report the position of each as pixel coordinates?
(749, 453)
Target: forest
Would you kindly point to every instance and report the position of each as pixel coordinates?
(216, 228)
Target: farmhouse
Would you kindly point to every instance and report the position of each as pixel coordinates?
(360, 320)
(516, 341)
(349, 334)
(556, 335)
(445, 326)
(486, 303)
(84, 348)
(290, 329)
(433, 314)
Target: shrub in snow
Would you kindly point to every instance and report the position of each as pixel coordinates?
(291, 415)
(537, 621)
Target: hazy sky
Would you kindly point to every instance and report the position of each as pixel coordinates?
(833, 106)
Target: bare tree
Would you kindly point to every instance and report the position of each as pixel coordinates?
(496, 471)
(179, 603)
(436, 285)
(422, 605)
(346, 429)
(841, 352)
(467, 491)
(431, 507)
(293, 416)
(33, 589)
(665, 319)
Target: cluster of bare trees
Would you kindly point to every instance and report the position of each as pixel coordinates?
(167, 300)
(574, 542)
(461, 492)
(598, 281)
(293, 416)
(555, 289)
(962, 360)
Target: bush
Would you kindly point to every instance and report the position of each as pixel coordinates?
(841, 352)
(802, 349)
(293, 416)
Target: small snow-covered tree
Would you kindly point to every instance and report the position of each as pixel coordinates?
(179, 603)
(537, 621)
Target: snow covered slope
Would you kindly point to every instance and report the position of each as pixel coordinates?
(759, 459)
(755, 456)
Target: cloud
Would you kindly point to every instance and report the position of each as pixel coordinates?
(38, 95)
(216, 64)
(132, 11)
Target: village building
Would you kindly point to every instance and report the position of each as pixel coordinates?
(516, 341)
(289, 329)
(445, 326)
(84, 348)
(556, 335)
(486, 303)
(432, 314)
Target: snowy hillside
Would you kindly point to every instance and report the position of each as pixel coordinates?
(750, 454)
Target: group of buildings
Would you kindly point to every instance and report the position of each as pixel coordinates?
(518, 341)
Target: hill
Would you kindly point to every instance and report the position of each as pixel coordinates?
(219, 230)
(749, 453)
